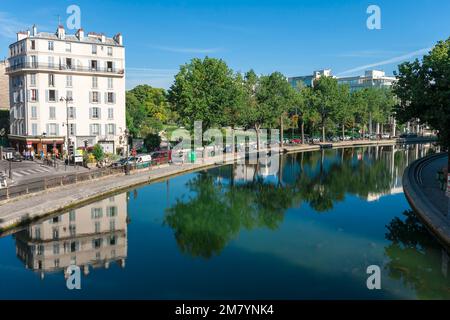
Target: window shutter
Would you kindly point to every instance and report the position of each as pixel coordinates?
(99, 113)
(90, 96)
(28, 95)
(74, 112)
(56, 96)
(114, 129)
(57, 129)
(106, 97)
(46, 95)
(99, 97)
(106, 129)
(37, 95)
(90, 130)
(90, 113)
(47, 127)
(74, 129)
(114, 97)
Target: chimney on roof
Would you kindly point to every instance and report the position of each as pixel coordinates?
(61, 32)
(103, 38)
(22, 35)
(80, 34)
(118, 39)
(34, 30)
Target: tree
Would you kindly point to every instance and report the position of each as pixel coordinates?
(147, 109)
(326, 91)
(344, 113)
(423, 91)
(269, 97)
(152, 141)
(98, 152)
(205, 90)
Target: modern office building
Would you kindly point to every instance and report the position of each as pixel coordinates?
(308, 81)
(4, 87)
(67, 88)
(371, 78)
(94, 236)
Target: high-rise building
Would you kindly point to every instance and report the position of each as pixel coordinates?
(67, 88)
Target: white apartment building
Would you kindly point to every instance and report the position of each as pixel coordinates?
(67, 88)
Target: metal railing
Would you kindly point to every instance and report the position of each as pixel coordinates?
(61, 67)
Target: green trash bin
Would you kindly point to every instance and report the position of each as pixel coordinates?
(192, 156)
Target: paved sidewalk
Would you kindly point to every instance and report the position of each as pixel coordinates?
(24, 209)
(423, 193)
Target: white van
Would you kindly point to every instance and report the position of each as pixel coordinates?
(143, 158)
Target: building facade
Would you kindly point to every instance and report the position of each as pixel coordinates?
(67, 89)
(4, 87)
(370, 79)
(94, 236)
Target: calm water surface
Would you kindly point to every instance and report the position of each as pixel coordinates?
(307, 230)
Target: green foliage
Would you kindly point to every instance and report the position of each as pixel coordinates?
(98, 152)
(147, 109)
(423, 90)
(152, 141)
(206, 90)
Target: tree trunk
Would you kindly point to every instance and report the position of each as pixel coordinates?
(257, 137)
(233, 146)
(370, 124)
(303, 132)
(343, 132)
(281, 131)
(323, 130)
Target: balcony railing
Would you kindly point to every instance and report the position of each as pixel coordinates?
(55, 67)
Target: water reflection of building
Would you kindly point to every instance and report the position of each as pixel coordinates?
(92, 236)
(410, 153)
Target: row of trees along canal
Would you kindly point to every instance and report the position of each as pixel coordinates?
(208, 90)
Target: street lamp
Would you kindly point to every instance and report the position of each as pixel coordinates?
(67, 100)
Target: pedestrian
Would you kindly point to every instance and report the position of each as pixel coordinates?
(32, 155)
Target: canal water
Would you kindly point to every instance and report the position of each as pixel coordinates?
(307, 230)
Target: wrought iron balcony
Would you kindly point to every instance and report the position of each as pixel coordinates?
(66, 68)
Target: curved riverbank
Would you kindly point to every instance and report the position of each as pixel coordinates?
(22, 210)
(426, 198)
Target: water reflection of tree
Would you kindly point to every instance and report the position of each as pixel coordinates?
(415, 258)
(207, 221)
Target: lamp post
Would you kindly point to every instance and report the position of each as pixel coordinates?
(67, 100)
(126, 134)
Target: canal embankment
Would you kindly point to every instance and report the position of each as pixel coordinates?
(425, 195)
(29, 207)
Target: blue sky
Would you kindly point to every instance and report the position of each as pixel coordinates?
(293, 37)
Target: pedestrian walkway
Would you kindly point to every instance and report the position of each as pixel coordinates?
(27, 172)
(423, 192)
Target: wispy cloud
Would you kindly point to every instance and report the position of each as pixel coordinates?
(9, 25)
(187, 50)
(155, 77)
(366, 54)
(397, 59)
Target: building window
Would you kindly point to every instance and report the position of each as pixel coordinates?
(95, 113)
(110, 113)
(51, 62)
(51, 45)
(95, 97)
(33, 45)
(111, 97)
(72, 215)
(111, 211)
(69, 63)
(34, 130)
(33, 95)
(110, 83)
(51, 80)
(51, 95)
(33, 79)
(111, 129)
(72, 230)
(33, 112)
(52, 129)
(110, 51)
(68, 47)
(94, 49)
(112, 225)
(72, 129)
(52, 113)
(71, 113)
(69, 81)
(96, 213)
(95, 129)
(69, 95)
(94, 82)
(94, 65)
(109, 66)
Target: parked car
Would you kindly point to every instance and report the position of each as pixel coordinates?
(163, 156)
(122, 162)
(385, 136)
(143, 158)
(296, 141)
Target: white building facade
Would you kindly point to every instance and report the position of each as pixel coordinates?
(67, 88)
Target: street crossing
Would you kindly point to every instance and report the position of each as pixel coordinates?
(27, 172)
